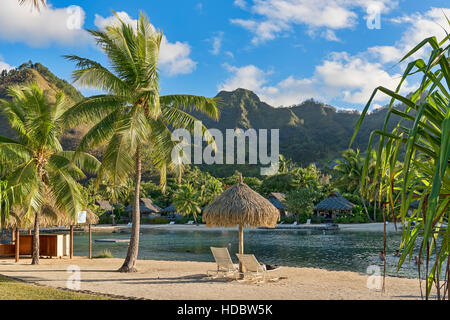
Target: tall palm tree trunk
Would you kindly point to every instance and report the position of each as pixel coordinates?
(129, 264)
(35, 253)
(2, 225)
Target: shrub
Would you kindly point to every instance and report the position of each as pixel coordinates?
(105, 254)
(159, 220)
(317, 219)
(289, 219)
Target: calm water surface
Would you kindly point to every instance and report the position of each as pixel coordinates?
(331, 250)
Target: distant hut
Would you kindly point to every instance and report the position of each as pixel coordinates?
(170, 209)
(333, 206)
(277, 199)
(240, 206)
(171, 212)
(105, 206)
(146, 207)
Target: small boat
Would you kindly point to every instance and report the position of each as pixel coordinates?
(112, 240)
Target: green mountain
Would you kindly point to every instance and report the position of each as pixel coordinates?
(309, 132)
(29, 72)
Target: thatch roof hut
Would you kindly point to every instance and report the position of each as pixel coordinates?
(277, 199)
(333, 205)
(146, 206)
(105, 205)
(169, 209)
(240, 205)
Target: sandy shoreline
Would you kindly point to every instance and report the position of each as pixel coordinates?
(363, 227)
(166, 280)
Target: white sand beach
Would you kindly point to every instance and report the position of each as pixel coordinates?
(187, 280)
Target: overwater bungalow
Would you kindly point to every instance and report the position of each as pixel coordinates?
(277, 199)
(333, 206)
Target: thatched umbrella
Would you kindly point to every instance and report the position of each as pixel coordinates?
(91, 218)
(240, 205)
(51, 217)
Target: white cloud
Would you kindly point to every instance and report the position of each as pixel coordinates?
(286, 92)
(4, 65)
(217, 43)
(340, 77)
(420, 26)
(279, 16)
(330, 35)
(229, 54)
(353, 78)
(386, 54)
(248, 77)
(50, 25)
(174, 56)
(240, 3)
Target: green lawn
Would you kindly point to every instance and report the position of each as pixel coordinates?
(16, 290)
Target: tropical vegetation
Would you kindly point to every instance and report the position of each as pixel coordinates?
(422, 139)
(132, 115)
(39, 177)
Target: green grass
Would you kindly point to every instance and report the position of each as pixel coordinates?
(17, 290)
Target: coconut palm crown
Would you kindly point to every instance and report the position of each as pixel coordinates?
(132, 114)
(40, 175)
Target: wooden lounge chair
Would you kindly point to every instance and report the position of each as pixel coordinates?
(256, 271)
(225, 265)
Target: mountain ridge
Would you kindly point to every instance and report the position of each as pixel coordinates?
(310, 132)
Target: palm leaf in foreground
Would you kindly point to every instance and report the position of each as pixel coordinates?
(424, 133)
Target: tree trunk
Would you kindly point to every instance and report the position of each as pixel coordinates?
(129, 264)
(17, 245)
(35, 259)
(241, 246)
(375, 206)
(2, 221)
(365, 207)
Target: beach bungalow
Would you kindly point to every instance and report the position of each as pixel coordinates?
(105, 206)
(171, 213)
(146, 207)
(333, 206)
(277, 199)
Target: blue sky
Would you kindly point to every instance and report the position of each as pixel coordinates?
(286, 51)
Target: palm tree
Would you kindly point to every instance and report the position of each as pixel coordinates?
(40, 176)
(187, 201)
(4, 206)
(423, 136)
(350, 170)
(35, 3)
(131, 115)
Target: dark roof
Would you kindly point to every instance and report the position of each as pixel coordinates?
(278, 195)
(277, 200)
(105, 205)
(334, 202)
(146, 206)
(170, 208)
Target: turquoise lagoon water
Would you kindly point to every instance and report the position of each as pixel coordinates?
(331, 250)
